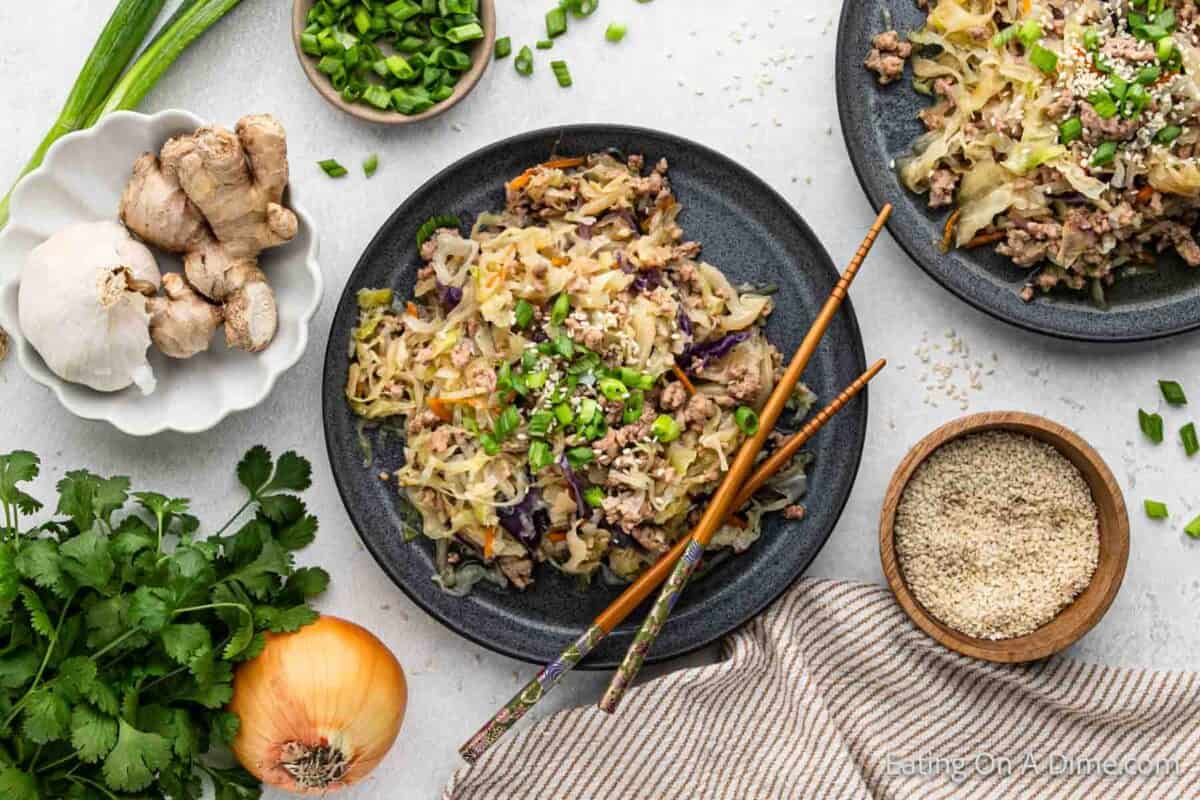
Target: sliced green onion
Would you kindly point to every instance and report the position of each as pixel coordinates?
(1155, 509)
(1104, 154)
(561, 73)
(581, 8)
(544, 44)
(1151, 425)
(633, 378)
(332, 168)
(564, 346)
(1148, 75)
(560, 309)
(1168, 134)
(593, 496)
(374, 298)
(1043, 59)
(1070, 130)
(587, 410)
(540, 455)
(1030, 32)
(536, 380)
(1103, 104)
(523, 313)
(564, 414)
(540, 422)
(615, 32)
(746, 420)
(503, 47)
(579, 456)
(613, 389)
(633, 407)
(1165, 49)
(1187, 435)
(524, 61)
(431, 226)
(1172, 392)
(556, 22)
(1193, 528)
(665, 428)
(489, 444)
(465, 33)
(1005, 36)
(507, 423)
(1091, 39)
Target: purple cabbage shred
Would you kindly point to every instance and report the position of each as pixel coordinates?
(527, 521)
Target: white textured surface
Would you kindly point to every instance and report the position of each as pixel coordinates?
(454, 685)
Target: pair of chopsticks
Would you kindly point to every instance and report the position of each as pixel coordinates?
(673, 570)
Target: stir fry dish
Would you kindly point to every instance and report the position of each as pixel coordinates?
(571, 378)
(1062, 132)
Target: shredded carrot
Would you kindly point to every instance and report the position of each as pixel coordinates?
(521, 181)
(948, 233)
(1145, 194)
(438, 407)
(683, 378)
(411, 308)
(489, 543)
(556, 536)
(986, 238)
(1026, 6)
(560, 261)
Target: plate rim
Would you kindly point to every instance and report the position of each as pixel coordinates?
(874, 196)
(559, 132)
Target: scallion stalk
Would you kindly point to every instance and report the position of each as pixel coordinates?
(116, 45)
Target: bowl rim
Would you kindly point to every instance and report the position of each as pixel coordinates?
(470, 79)
(24, 350)
(1094, 601)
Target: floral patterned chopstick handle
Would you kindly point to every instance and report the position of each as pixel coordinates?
(648, 633)
(530, 694)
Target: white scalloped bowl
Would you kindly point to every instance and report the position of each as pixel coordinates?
(81, 180)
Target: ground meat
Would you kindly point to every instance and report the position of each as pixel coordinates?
(607, 448)
(439, 440)
(1185, 244)
(484, 377)
(688, 275)
(794, 512)
(462, 354)
(673, 397)
(1126, 48)
(686, 250)
(628, 511)
(517, 570)
(425, 421)
(587, 335)
(744, 381)
(887, 56)
(1024, 248)
(698, 410)
(651, 537)
(1097, 129)
(942, 184)
(1061, 106)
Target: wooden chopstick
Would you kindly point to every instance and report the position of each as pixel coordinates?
(722, 500)
(552, 673)
(643, 586)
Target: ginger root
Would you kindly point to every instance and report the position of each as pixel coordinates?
(215, 197)
(183, 323)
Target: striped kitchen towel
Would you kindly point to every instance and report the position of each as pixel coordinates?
(833, 693)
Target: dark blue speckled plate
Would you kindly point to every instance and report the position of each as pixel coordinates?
(753, 235)
(880, 124)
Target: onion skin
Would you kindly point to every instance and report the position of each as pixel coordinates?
(330, 684)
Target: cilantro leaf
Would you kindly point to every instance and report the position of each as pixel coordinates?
(47, 716)
(131, 764)
(17, 669)
(234, 784)
(241, 638)
(287, 620)
(282, 509)
(271, 560)
(307, 582)
(39, 561)
(293, 473)
(254, 649)
(225, 727)
(18, 785)
(300, 534)
(86, 558)
(191, 646)
(78, 678)
(161, 505)
(93, 734)
(9, 576)
(172, 723)
(254, 470)
(39, 619)
(150, 609)
(19, 466)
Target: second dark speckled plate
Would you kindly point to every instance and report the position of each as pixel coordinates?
(747, 230)
(880, 124)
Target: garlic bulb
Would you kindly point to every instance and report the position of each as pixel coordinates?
(82, 305)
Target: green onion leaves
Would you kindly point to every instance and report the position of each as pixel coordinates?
(1172, 392)
(1155, 509)
(503, 48)
(561, 73)
(524, 62)
(746, 420)
(332, 168)
(1151, 425)
(431, 225)
(665, 428)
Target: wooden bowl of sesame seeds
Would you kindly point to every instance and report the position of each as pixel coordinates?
(1110, 521)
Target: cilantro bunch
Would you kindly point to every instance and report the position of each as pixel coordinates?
(121, 626)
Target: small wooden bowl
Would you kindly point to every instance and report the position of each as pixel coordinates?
(1086, 610)
(481, 58)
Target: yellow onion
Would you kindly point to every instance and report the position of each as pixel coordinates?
(319, 708)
